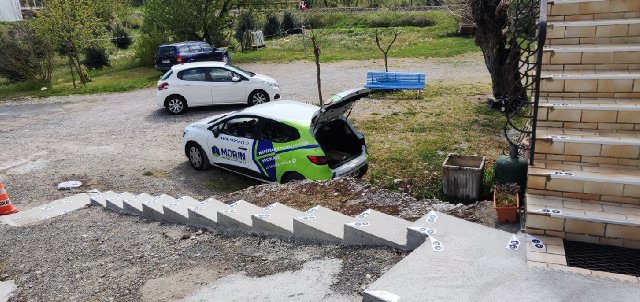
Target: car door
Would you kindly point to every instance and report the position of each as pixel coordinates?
(194, 86)
(227, 87)
(273, 138)
(232, 144)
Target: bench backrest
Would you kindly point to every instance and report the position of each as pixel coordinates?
(395, 80)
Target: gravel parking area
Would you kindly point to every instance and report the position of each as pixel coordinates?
(123, 142)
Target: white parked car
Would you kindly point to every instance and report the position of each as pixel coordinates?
(212, 83)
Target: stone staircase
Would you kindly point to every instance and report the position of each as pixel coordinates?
(585, 182)
(317, 224)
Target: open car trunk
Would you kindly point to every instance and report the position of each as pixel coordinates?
(339, 142)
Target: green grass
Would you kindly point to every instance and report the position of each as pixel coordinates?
(125, 74)
(358, 43)
(409, 139)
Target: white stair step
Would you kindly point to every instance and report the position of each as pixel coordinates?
(115, 203)
(100, 199)
(50, 210)
(134, 206)
(177, 211)
(321, 224)
(421, 229)
(591, 57)
(238, 215)
(276, 218)
(205, 214)
(153, 208)
(585, 210)
(374, 228)
(592, 9)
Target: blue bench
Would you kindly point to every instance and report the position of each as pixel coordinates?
(395, 80)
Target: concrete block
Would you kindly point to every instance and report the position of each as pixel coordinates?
(134, 206)
(153, 209)
(275, 218)
(375, 228)
(115, 203)
(420, 230)
(177, 211)
(205, 214)
(50, 210)
(321, 224)
(100, 199)
(238, 215)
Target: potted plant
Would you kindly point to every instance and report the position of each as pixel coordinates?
(506, 202)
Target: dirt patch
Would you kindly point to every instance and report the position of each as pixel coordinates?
(180, 285)
(352, 196)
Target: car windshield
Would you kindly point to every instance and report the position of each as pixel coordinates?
(221, 116)
(241, 71)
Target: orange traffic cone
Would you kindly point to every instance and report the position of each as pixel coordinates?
(6, 207)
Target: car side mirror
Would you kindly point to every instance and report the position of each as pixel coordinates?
(236, 79)
(216, 132)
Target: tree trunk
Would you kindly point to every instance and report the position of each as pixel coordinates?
(386, 66)
(316, 53)
(73, 77)
(500, 58)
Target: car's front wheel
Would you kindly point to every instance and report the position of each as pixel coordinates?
(176, 104)
(197, 158)
(258, 97)
(291, 176)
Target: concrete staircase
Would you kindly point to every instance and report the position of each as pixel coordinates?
(317, 224)
(585, 182)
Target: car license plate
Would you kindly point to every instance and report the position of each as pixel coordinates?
(165, 61)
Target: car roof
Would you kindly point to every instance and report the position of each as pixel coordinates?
(179, 67)
(183, 43)
(284, 111)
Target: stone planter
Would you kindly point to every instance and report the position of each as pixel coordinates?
(463, 176)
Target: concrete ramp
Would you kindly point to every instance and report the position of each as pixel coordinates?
(475, 265)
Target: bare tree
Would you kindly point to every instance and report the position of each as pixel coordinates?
(386, 52)
(316, 53)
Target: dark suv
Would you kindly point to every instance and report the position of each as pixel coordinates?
(187, 52)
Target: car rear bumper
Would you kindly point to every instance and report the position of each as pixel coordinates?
(353, 167)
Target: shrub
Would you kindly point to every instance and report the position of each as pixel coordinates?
(147, 46)
(96, 57)
(121, 38)
(247, 23)
(289, 24)
(26, 56)
(271, 27)
(133, 21)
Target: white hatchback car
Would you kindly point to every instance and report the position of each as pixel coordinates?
(212, 83)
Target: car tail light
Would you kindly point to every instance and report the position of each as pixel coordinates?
(179, 59)
(163, 86)
(318, 160)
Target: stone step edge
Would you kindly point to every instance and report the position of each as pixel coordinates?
(569, 214)
(600, 140)
(571, 1)
(601, 22)
(584, 176)
(591, 76)
(591, 48)
(594, 107)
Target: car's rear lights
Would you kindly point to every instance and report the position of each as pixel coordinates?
(179, 59)
(163, 86)
(318, 160)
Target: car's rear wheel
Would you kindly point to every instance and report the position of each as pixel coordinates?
(258, 97)
(197, 158)
(291, 176)
(176, 104)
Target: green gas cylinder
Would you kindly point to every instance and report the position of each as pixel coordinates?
(510, 169)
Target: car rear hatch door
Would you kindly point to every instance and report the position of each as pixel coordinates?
(337, 106)
(166, 55)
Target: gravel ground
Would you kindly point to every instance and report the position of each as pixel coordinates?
(123, 142)
(97, 255)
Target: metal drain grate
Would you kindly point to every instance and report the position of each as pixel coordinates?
(604, 258)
